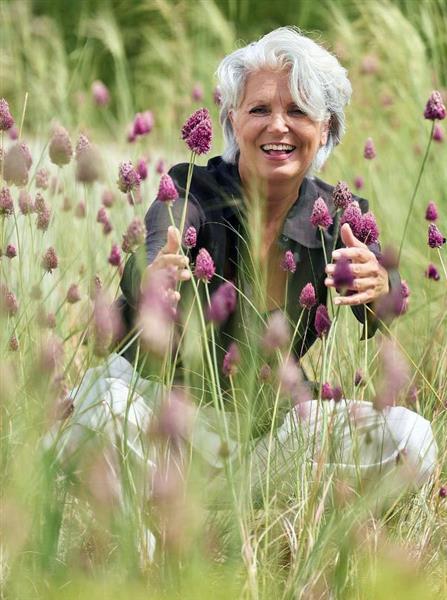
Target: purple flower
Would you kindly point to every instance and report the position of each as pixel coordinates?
(288, 262)
(101, 216)
(322, 321)
(13, 343)
(394, 375)
(343, 276)
(359, 182)
(80, 210)
(205, 268)
(167, 192)
(190, 237)
(197, 132)
(389, 259)
(265, 373)
(143, 123)
(222, 303)
(6, 120)
(8, 302)
(60, 149)
(353, 216)
(435, 237)
(88, 164)
(6, 203)
(358, 377)
(435, 108)
(443, 492)
(370, 231)
(231, 360)
(142, 168)
(134, 235)
(13, 133)
(277, 333)
(160, 167)
(326, 392)
(100, 93)
(16, 164)
(369, 151)
(115, 256)
(128, 178)
(292, 382)
(341, 195)
(432, 272)
(42, 179)
(107, 198)
(82, 144)
(106, 325)
(438, 134)
(307, 297)
(11, 251)
(49, 260)
(197, 92)
(431, 212)
(25, 201)
(73, 294)
(320, 216)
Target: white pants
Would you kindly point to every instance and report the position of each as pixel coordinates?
(115, 406)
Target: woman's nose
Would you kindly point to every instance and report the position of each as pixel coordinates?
(278, 123)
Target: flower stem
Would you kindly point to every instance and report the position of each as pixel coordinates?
(413, 197)
(442, 262)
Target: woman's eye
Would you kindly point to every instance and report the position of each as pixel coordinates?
(296, 111)
(258, 110)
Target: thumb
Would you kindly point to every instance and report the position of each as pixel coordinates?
(348, 238)
(172, 245)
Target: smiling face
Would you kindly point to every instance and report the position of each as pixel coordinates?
(277, 141)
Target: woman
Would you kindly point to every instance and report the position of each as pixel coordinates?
(282, 113)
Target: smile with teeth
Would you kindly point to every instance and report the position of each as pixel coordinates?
(277, 148)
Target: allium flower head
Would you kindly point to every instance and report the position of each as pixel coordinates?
(106, 324)
(8, 302)
(13, 133)
(134, 235)
(16, 164)
(115, 256)
(167, 192)
(277, 333)
(358, 377)
(6, 202)
(25, 202)
(288, 262)
(435, 108)
(369, 151)
(190, 237)
(107, 198)
(394, 376)
(431, 212)
(197, 132)
(197, 92)
(320, 216)
(11, 251)
(217, 96)
(51, 354)
(223, 303)
(6, 120)
(80, 210)
(389, 259)
(50, 260)
(326, 392)
(353, 216)
(82, 144)
(205, 268)
(435, 237)
(60, 149)
(43, 215)
(175, 419)
(160, 166)
(42, 179)
(359, 182)
(143, 123)
(438, 134)
(432, 272)
(73, 294)
(341, 195)
(370, 231)
(88, 164)
(322, 321)
(231, 360)
(443, 492)
(307, 297)
(343, 276)
(128, 178)
(142, 168)
(100, 93)
(292, 383)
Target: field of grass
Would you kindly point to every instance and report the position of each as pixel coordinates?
(62, 532)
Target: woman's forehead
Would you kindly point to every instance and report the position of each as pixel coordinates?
(261, 85)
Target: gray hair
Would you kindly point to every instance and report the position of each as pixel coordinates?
(318, 83)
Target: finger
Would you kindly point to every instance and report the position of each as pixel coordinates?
(173, 240)
(368, 269)
(364, 283)
(164, 261)
(184, 275)
(348, 238)
(355, 254)
(355, 299)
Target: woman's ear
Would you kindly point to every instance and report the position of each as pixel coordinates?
(325, 132)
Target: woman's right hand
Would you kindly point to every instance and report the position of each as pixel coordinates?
(170, 259)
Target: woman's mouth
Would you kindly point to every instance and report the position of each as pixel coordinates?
(278, 151)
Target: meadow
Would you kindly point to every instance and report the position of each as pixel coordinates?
(111, 84)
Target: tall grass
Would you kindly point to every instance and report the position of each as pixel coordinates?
(314, 537)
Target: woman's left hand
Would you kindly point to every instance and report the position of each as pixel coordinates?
(370, 278)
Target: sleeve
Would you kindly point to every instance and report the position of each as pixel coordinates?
(365, 316)
(157, 221)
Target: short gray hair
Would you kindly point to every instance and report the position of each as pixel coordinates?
(318, 83)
